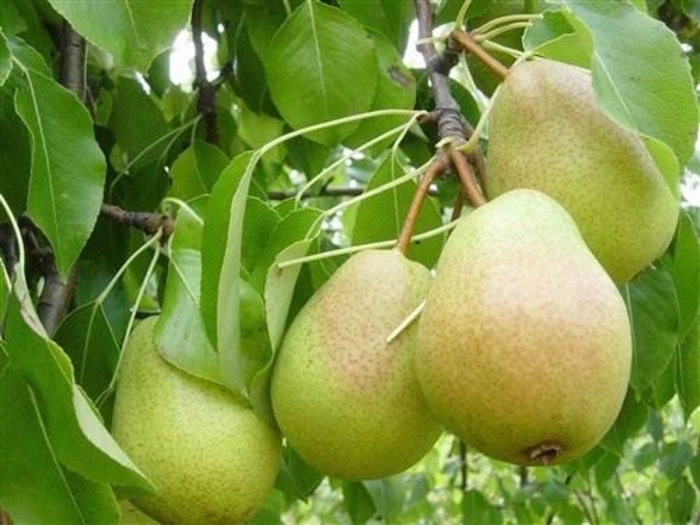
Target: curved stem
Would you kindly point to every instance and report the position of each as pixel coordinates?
(437, 167)
(470, 45)
(500, 30)
(504, 20)
(466, 176)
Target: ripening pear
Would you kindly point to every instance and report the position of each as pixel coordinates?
(523, 348)
(211, 458)
(547, 132)
(346, 400)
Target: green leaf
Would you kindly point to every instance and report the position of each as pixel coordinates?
(260, 221)
(477, 509)
(695, 469)
(388, 495)
(34, 486)
(86, 336)
(196, 169)
(66, 162)
(358, 502)
(396, 89)
(180, 334)
(72, 425)
(134, 32)
(5, 59)
(390, 17)
(680, 500)
(675, 458)
(15, 154)
(558, 37)
(297, 479)
(688, 370)
(682, 261)
(138, 123)
(628, 79)
(653, 310)
(279, 289)
(380, 218)
(321, 66)
(631, 418)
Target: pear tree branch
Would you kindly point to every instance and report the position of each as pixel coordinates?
(206, 100)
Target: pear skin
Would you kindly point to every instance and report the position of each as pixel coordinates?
(346, 400)
(547, 132)
(524, 344)
(211, 458)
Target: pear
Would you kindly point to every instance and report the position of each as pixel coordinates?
(346, 400)
(547, 132)
(212, 459)
(523, 348)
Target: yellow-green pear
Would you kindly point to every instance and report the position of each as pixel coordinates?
(547, 132)
(346, 400)
(523, 348)
(211, 458)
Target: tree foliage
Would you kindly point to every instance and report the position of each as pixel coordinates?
(211, 202)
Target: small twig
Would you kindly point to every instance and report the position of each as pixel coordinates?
(463, 38)
(325, 191)
(206, 101)
(437, 167)
(147, 222)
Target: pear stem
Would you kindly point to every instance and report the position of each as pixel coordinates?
(435, 168)
(466, 176)
(467, 43)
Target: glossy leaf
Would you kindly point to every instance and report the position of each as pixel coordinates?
(136, 31)
(332, 53)
(628, 80)
(631, 418)
(391, 17)
(358, 502)
(654, 317)
(66, 161)
(296, 478)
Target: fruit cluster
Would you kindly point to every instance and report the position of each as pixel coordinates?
(522, 346)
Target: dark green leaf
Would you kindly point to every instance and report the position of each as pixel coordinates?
(66, 161)
(87, 337)
(557, 37)
(321, 66)
(138, 124)
(296, 479)
(380, 218)
(628, 80)
(680, 500)
(632, 417)
(695, 469)
(388, 496)
(260, 221)
(653, 309)
(682, 261)
(15, 155)
(34, 486)
(134, 32)
(675, 457)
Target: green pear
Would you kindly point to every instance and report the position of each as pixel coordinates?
(523, 348)
(548, 133)
(212, 459)
(346, 400)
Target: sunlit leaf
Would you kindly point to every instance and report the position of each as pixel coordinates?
(136, 31)
(628, 79)
(331, 52)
